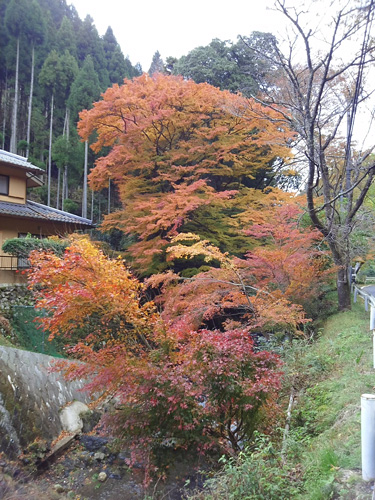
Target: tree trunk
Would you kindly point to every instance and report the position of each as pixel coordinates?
(13, 137)
(343, 289)
(50, 156)
(92, 206)
(5, 108)
(66, 133)
(30, 101)
(65, 191)
(58, 188)
(84, 197)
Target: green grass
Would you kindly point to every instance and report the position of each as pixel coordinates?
(5, 342)
(329, 375)
(327, 416)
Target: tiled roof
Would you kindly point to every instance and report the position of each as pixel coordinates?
(32, 210)
(18, 161)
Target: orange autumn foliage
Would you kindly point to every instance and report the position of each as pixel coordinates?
(88, 293)
(175, 146)
(268, 290)
(288, 259)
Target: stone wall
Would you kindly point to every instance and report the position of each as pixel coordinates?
(31, 398)
(14, 295)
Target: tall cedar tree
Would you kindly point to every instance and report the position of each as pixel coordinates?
(16, 22)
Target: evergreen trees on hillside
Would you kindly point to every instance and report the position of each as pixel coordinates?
(52, 65)
(243, 66)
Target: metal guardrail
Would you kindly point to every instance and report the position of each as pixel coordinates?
(369, 300)
(367, 400)
(11, 263)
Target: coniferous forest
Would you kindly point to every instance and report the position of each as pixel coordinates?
(53, 65)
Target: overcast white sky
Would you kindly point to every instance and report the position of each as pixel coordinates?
(175, 27)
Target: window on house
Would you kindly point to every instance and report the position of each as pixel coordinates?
(4, 184)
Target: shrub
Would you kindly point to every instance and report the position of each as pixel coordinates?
(253, 475)
(22, 247)
(205, 391)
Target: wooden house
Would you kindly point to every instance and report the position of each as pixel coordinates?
(19, 216)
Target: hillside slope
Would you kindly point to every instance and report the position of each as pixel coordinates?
(322, 459)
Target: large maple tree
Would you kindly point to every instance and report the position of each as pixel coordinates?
(174, 148)
(174, 389)
(274, 288)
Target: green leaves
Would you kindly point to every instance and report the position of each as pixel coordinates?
(21, 247)
(16, 17)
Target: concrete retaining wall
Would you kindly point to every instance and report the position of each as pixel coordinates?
(30, 399)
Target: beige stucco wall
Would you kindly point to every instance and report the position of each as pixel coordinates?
(12, 277)
(17, 185)
(10, 227)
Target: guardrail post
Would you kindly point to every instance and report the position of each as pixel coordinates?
(366, 303)
(372, 317)
(355, 294)
(368, 436)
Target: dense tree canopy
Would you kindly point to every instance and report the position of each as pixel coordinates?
(177, 147)
(243, 66)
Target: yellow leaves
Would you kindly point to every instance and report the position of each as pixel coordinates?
(200, 247)
(86, 290)
(186, 237)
